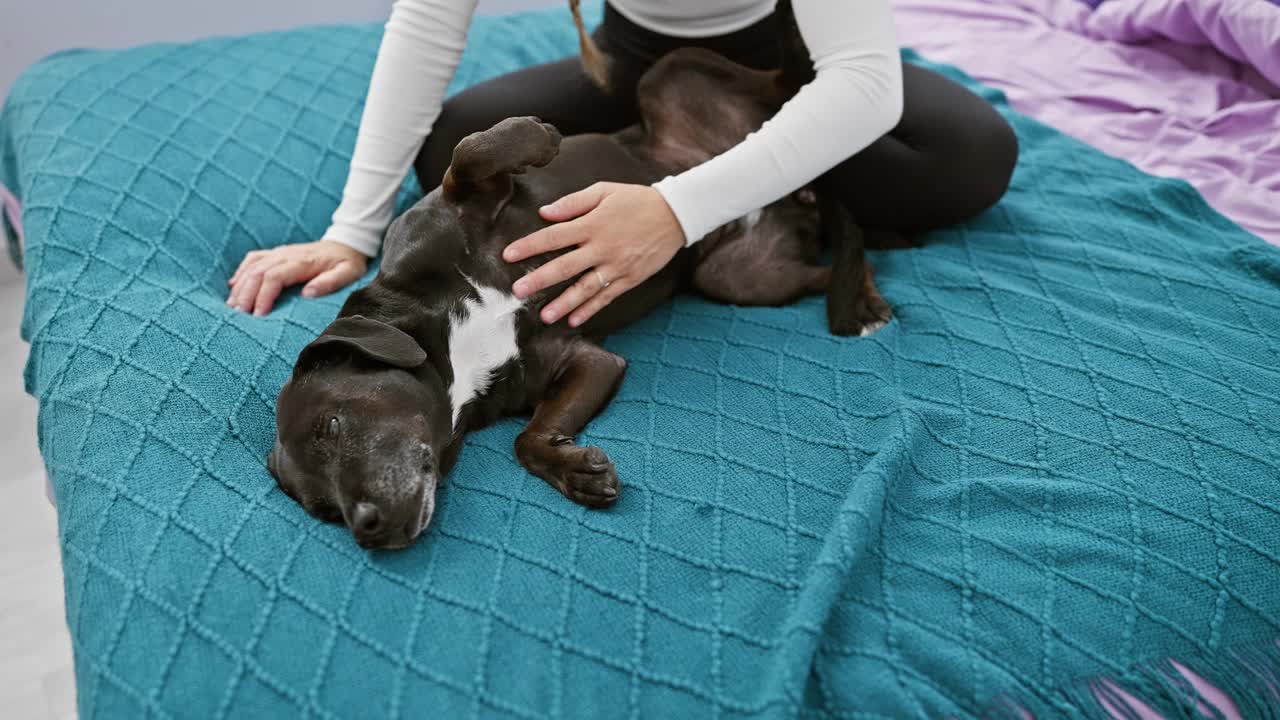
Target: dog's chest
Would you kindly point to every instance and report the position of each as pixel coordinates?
(482, 338)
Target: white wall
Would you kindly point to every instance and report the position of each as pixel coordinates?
(31, 29)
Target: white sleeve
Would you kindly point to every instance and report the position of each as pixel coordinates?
(855, 98)
(420, 51)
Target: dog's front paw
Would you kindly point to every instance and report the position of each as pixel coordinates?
(863, 316)
(585, 475)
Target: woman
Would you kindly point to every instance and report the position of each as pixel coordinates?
(909, 149)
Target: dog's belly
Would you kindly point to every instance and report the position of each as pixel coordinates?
(588, 159)
(583, 160)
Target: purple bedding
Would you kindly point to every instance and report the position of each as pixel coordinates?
(1180, 88)
(1247, 31)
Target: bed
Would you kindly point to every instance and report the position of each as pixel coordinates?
(1047, 487)
(1181, 88)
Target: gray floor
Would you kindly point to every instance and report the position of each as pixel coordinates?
(36, 678)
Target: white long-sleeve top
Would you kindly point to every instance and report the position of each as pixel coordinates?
(855, 97)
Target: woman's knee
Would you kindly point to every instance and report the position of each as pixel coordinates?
(993, 145)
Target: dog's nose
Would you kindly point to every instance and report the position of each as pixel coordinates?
(366, 520)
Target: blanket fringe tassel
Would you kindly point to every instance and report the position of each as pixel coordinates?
(1239, 683)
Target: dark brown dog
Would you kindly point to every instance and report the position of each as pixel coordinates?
(374, 414)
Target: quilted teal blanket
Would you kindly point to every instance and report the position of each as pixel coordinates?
(1054, 471)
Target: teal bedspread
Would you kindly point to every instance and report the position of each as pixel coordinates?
(1059, 461)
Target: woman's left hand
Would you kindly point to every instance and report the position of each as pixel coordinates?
(623, 233)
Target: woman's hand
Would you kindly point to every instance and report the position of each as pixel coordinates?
(324, 265)
(623, 233)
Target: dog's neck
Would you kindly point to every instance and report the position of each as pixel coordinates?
(468, 332)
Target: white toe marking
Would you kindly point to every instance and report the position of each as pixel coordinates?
(482, 338)
(868, 329)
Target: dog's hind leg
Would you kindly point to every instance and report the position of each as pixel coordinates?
(584, 377)
(484, 162)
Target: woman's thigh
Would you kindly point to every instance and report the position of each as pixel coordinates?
(559, 93)
(949, 158)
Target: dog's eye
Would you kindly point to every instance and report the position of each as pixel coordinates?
(325, 511)
(332, 427)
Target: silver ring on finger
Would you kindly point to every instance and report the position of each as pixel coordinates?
(603, 283)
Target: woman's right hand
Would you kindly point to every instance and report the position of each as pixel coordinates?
(324, 265)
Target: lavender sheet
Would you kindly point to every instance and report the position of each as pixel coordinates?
(1180, 88)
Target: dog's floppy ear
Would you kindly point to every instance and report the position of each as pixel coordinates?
(372, 339)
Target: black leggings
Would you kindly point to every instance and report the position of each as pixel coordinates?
(949, 158)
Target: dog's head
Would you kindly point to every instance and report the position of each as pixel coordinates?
(363, 431)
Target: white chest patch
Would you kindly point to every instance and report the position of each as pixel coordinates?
(482, 338)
